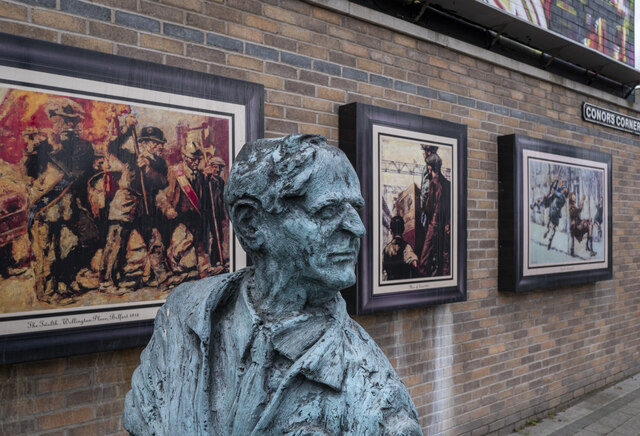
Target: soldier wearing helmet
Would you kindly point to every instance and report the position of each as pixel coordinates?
(63, 232)
(142, 174)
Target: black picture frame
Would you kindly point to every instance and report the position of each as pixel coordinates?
(527, 261)
(367, 133)
(109, 72)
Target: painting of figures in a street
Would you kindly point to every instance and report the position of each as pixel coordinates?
(417, 211)
(566, 209)
(106, 201)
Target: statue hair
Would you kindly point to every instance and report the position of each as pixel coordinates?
(272, 171)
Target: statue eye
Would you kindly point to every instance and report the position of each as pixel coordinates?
(327, 211)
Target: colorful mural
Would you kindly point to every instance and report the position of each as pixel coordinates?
(103, 202)
(604, 25)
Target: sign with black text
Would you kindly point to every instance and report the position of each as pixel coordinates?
(609, 118)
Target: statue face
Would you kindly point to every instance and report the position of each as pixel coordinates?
(320, 233)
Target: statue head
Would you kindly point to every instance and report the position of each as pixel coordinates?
(294, 205)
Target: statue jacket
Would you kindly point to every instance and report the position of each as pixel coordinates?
(195, 379)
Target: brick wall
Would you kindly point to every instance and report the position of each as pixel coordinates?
(478, 367)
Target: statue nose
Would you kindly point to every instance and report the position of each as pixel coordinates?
(351, 222)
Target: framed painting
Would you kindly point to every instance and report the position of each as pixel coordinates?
(111, 179)
(554, 214)
(413, 174)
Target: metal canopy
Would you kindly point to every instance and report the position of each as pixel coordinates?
(545, 40)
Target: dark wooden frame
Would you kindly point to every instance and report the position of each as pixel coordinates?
(511, 217)
(103, 68)
(356, 130)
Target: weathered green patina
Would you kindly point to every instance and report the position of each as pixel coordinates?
(270, 350)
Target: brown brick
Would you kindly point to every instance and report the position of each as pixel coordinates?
(130, 5)
(328, 120)
(372, 90)
(394, 49)
(66, 418)
(105, 426)
(313, 77)
(296, 6)
(315, 129)
(312, 51)
(368, 41)
(243, 32)
(354, 49)
(365, 64)
(207, 24)
(281, 70)
(394, 72)
(88, 43)
(192, 5)
(279, 14)
(317, 104)
(269, 82)
(331, 94)
(61, 383)
(252, 6)
(295, 32)
(404, 40)
(10, 10)
(381, 57)
(273, 111)
(245, 62)
(115, 33)
(288, 99)
(260, 23)
(385, 103)
(279, 42)
(300, 115)
(136, 53)
(325, 15)
(312, 24)
(395, 95)
(204, 53)
(161, 44)
(304, 89)
(342, 59)
(282, 127)
(153, 9)
(29, 31)
(234, 73)
(186, 63)
(341, 33)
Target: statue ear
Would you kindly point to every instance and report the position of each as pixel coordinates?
(244, 216)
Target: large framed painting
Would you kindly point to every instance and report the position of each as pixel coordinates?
(413, 174)
(111, 179)
(554, 214)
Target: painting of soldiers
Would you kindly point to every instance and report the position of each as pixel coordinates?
(571, 203)
(104, 202)
(416, 207)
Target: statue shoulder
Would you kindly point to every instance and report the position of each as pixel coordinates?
(188, 296)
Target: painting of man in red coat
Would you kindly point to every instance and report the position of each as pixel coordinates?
(434, 258)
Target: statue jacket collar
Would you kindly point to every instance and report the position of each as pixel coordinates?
(320, 361)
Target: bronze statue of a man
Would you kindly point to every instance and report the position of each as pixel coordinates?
(270, 350)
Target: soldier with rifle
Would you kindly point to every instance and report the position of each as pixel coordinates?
(61, 228)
